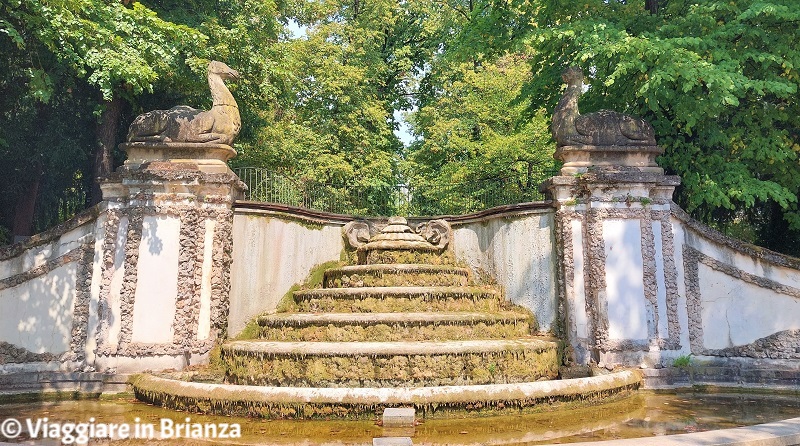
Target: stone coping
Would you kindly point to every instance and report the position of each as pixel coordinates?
(732, 243)
(86, 216)
(633, 148)
(391, 395)
(328, 218)
(24, 386)
(709, 373)
(778, 433)
(386, 348)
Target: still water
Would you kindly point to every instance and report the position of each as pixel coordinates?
(643, 414)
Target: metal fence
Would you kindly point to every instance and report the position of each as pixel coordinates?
(440, 199)
(266, 186)
(52, 210)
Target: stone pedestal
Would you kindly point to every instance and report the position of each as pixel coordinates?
(165, 246)
(617, 266)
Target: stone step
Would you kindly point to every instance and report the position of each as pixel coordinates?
(401, 256)
(389, 364)
(382, 275)
(367, 403)
(386, 327)
(398, 299)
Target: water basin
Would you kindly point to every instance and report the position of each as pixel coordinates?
(644, 414)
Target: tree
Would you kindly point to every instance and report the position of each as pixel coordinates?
(476, 147)
(718, 81)
(118, 51)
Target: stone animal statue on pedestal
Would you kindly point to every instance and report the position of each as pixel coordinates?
(603, 128)
(220, 125)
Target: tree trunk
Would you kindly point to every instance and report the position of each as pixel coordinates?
(652, 6)
(25, 207)
(106, 132)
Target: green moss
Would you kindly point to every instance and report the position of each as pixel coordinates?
(381, 332)
(173, 395)
(400, 304)
(402, 370)
(317, 274)
(380, 256)
(406, 279)
(47, 396)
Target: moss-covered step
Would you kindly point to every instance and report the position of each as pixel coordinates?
(386, 327)
(430, 402)
(395, 299)
(395, 275)
(396, 256)
(389, 364)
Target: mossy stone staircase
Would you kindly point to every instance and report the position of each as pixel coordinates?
(404, 327)
(394, 325)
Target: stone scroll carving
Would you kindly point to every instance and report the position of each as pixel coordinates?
(436, 232)
(603, 128)
(183, 124)
(358, 232)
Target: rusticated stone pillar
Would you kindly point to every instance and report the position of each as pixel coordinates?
(166, 255)
(619, 281)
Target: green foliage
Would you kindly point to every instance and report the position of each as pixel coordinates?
(64, 62)
(682, 361)
(717, 79)
(472, 130)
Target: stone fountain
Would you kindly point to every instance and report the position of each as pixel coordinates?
(402, 326)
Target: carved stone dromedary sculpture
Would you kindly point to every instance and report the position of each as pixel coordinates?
(220, 125)
(603, 128)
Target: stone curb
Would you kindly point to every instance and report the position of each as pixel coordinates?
(779, 433)
(395, 396)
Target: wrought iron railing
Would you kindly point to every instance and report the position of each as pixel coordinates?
(265, 185)
(52, 210)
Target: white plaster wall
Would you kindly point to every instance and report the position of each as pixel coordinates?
(625, 299)
(157, 280)
(519, 253)
(742, 261)
(94, 299)
(578, 312)
(737, 313)
(115, 286)
(37, 314)
(734, 310)
(40, 254)
(204, 323)
(270, 254)
(678, 238)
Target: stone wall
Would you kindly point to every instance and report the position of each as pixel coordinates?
(165, 256)
(741, 300)
(46, 292)
(644, 284)
(274, 248)
(515, 245)
(139, 282)
(155, 275)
